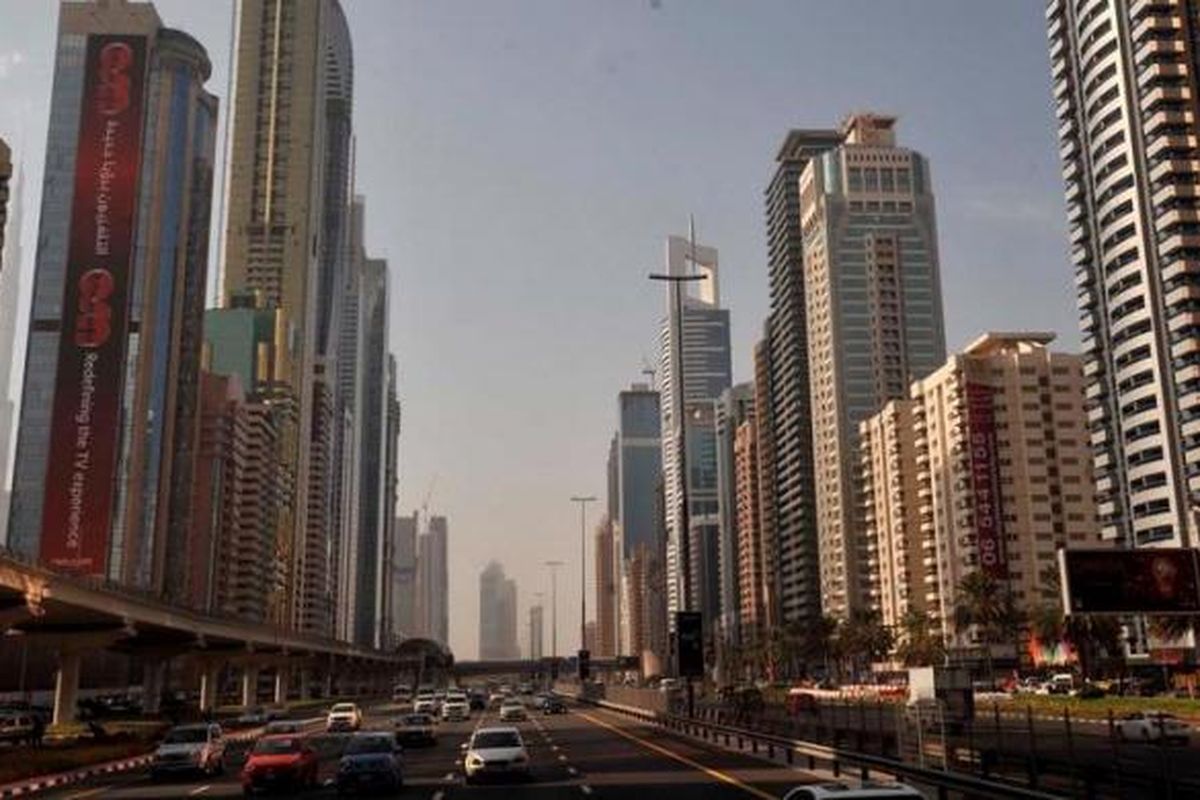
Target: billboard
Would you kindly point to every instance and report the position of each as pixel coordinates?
(689, 632)
(85, 421)
(985, 482)
(1146, 581)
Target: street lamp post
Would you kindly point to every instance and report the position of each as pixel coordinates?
(583, 501)
(676, 282)
(554, 565)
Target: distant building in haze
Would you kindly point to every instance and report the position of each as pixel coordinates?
(497, 615)
(537, 632)
(734, 407)
(404, 578)
(433, 581)
(606, 589)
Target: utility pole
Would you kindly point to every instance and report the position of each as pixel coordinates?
(554, 565)
(583, 501)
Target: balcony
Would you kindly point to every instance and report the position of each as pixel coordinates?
(1167, 118)
(1172, 142)
(1170, 191)
(1158, 94)
(1156, 22)
(1156, 48)
(1153, 72)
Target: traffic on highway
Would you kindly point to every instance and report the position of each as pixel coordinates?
(554, 748)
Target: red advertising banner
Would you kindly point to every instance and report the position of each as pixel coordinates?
(85, 426)
(985, 484)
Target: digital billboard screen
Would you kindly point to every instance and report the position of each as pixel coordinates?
(85, 422)
(1145, 581)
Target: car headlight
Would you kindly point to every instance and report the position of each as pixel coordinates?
(474, 760)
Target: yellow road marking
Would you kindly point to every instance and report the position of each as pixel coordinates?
(714, 773)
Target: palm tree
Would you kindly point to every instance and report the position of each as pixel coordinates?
(991, 610)
(919, 646)
(864, 638)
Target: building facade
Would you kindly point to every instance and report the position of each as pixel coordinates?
(874, 318)
(606, 589)
(985, 466)
(537, 632)
(734, 408)
(433, 581)
(11, 255)
(6, 171)
(146, 251)
(1124, 76)
(692, 555)
(753, 578)
(287, 220)
(635, 471)
(497, 615)
(784, 419)
(404, 578)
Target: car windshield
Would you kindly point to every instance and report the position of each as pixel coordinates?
(487, 740)
(343, 708)
(274, 747)
(418, 719)
(186, 736)
(361, 745)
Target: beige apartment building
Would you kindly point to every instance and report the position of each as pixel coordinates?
(985, 466)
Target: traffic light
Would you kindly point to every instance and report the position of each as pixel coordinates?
(585, 665)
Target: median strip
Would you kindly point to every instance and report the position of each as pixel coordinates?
(724, 777)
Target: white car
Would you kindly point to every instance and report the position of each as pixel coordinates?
(1153, 726)
(513, 711)
(343, 717)
(425, 704)
(495, 752)
(867, 790)
(456, 709)
(190, 748)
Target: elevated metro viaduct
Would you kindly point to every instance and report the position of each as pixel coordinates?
(73, 616)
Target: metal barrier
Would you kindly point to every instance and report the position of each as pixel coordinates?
(840, 762)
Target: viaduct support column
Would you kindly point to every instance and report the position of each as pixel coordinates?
(66, 687)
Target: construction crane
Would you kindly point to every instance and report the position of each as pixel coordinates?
(649, 369)
(428, 495)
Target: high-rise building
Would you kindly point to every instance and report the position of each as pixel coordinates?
(753, 578)
(366, 596)
(537, 631)
(635, 470)
(404, 578)
(693, 578)
(497, 615)
(6, 170)
(983, 467)
(125, 277)
(782, 397)
(734, 408)
(286, 229)
(1122, 75)
(11, 257)
(234, 568)
(243, 341)
(389, 635)
(433, 581)
(874, 317)
(606, 589)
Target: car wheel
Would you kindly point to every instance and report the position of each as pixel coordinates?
(1121, 734)
(1145, 735)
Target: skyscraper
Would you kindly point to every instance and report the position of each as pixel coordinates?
(10, 290)
(693, 580)
(497, 615)
(734, 408)
(635, 470)
(433, 592)
(389, 628)
(372, 425)
(404, 578)
(285, 237)
(1123, 76)
(753, 579)
(784, 419)
(606, 589)
(108, 415)
(874, 317)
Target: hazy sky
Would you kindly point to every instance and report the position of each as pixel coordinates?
(523, 163)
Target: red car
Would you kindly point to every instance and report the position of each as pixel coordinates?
(280, 762)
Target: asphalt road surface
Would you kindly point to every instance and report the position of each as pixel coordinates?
(587, 753)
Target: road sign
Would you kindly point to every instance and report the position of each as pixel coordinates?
(689, 627)
(1149, 580)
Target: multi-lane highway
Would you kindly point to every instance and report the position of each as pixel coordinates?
(587, 753)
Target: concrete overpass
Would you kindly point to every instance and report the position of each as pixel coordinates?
(75, 615)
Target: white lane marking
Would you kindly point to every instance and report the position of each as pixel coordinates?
(449, 777)
(572, 770)
(438, 795)
(554, 748)
(200, 790)
(562, 757)
(585, 789)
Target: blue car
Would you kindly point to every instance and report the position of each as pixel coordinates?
(370, 762)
